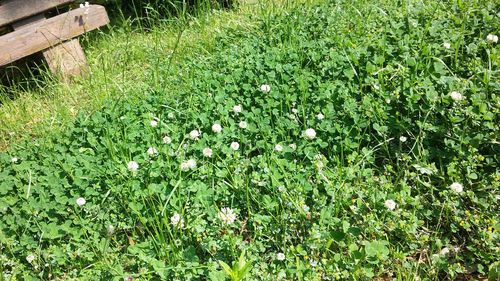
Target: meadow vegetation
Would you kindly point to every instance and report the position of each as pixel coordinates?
(325, 140)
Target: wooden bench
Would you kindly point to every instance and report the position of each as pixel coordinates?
(30, 30)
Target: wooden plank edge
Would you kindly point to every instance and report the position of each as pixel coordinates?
(14, 10)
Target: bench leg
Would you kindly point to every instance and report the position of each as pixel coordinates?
(67, 59)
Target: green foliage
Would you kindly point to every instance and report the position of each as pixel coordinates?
(376, 191)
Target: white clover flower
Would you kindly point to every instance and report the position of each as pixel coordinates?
(295, 110)
(80, 201)
(456, 96)
(152, 151)
(243, 125)
(14, 159)
(280, 256)
(320, 116)
(216, 128)
(30, 258)
(444, 251)
(84, 5)
(207, 152)
(110, 229)
(305, 208)
(177, 221)
(403, 139)
(170, 115)
(278, 147)
(292, 146)
(390, 204)
(265, 88)
(153, 123)
(237, 109)
(313, 263)
(492, 38)
(446, 45)
(235, 145)
(167, 140)
(184, 166)
(310, 134)
(194, 134)
(191, 163)
(227, 215)
(133, 166)
(457, 187)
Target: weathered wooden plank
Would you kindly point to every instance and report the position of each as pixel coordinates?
(67, 59)
(14, 10)
(50, 32)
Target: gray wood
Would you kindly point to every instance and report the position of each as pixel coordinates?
(14, 10)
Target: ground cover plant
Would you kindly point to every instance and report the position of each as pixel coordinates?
(346, 140)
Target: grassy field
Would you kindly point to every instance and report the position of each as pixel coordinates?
(321, 140)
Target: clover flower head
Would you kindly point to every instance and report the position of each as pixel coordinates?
(243, 125)
(292, 146)
(235, 145)
(216, 128)
(446, 45)
(403, 139)
(153, 123)
(295, 110)
(152, 151)
(237, 109)
(14, 159)
(278, 147)
(320, 116)
(390, 204)
(457, 187)
(184, 166)
(80, 201)
(167, 140)
(133, 166)
(177, 221)
(227, 216)
(265, 88)
(444, 251)
(492, 38)
(456, 96)
(207, 152)
(194, 134)
(280, 256)
(310, 134)
(30, 258)
(191, 163)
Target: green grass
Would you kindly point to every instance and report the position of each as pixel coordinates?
(371, 154)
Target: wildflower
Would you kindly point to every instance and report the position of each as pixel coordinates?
(170, 115)
(305, 208)
(177, 221)
(30, 258)
(216, 128)
(80, 201)
(456, 96)
(194, 134)
(207, 152)
(191, 163)
(111, 229)
(292, 146)
(313, 263)
(278, 147)
(153, 123)
(310, 134)
(492, 38)
(152, 151)
(133, 166)
(402, 138)
(14, 159)
(265, 88)
(280, 256)
(184, 166)
(237, 109)
(444, 251)
(457, 187)
(84, 5)
(235, 145)
(167, 140)
(320, 116)
(390, 204)
(243, 124)
(295, 110)
(446, 45)
(227, 215)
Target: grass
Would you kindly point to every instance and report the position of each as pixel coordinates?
(354, 144)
